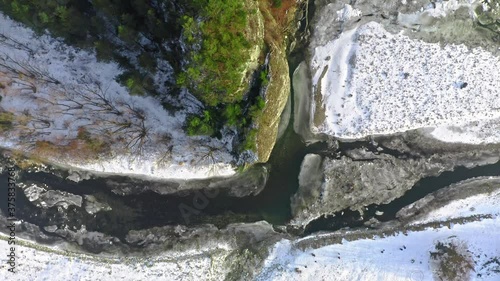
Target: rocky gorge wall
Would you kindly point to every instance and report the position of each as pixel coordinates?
(378, 166)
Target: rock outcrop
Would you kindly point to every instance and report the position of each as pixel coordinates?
(376, 177)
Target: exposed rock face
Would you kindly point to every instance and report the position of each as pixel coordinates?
(246, 244)
(278, 89)
(277, 93)
(377, 178)
(235, 234)
(355, 184)
(310, 182)
(302, 101)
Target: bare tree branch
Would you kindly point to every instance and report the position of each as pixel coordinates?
(26, 68)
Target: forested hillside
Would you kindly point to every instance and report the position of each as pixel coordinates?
(165, 46)
(133, 32)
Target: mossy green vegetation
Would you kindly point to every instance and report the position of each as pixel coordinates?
(240, 116)
(233, 115)
(65, 18)
(6, 121)
(218, 50)
(204, 125)
(263, 77)
(277, 3)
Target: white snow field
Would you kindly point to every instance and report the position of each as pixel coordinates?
(51, 264)
(370, 81)
(404, 256)
(54, 89)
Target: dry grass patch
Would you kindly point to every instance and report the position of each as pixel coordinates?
(451, 261)
(84, 147)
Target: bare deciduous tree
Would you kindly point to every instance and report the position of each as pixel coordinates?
(102, 112)
(26, 68)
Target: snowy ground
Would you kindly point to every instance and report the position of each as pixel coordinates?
(373, 82)
(55, 265)
(398, 257)
(54, 90)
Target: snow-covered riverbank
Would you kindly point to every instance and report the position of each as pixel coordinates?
(41, 263)
(404, 256)
(56, 94)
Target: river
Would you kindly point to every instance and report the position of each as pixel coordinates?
(149, 209)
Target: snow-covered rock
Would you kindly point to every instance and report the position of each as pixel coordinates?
(403, 67)
(92, 205)
(161, 253)
(362, 177)
(370, 81)
(354, 184)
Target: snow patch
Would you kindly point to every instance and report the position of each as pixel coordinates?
(59, 265)
(347, 13)
(475, 132)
